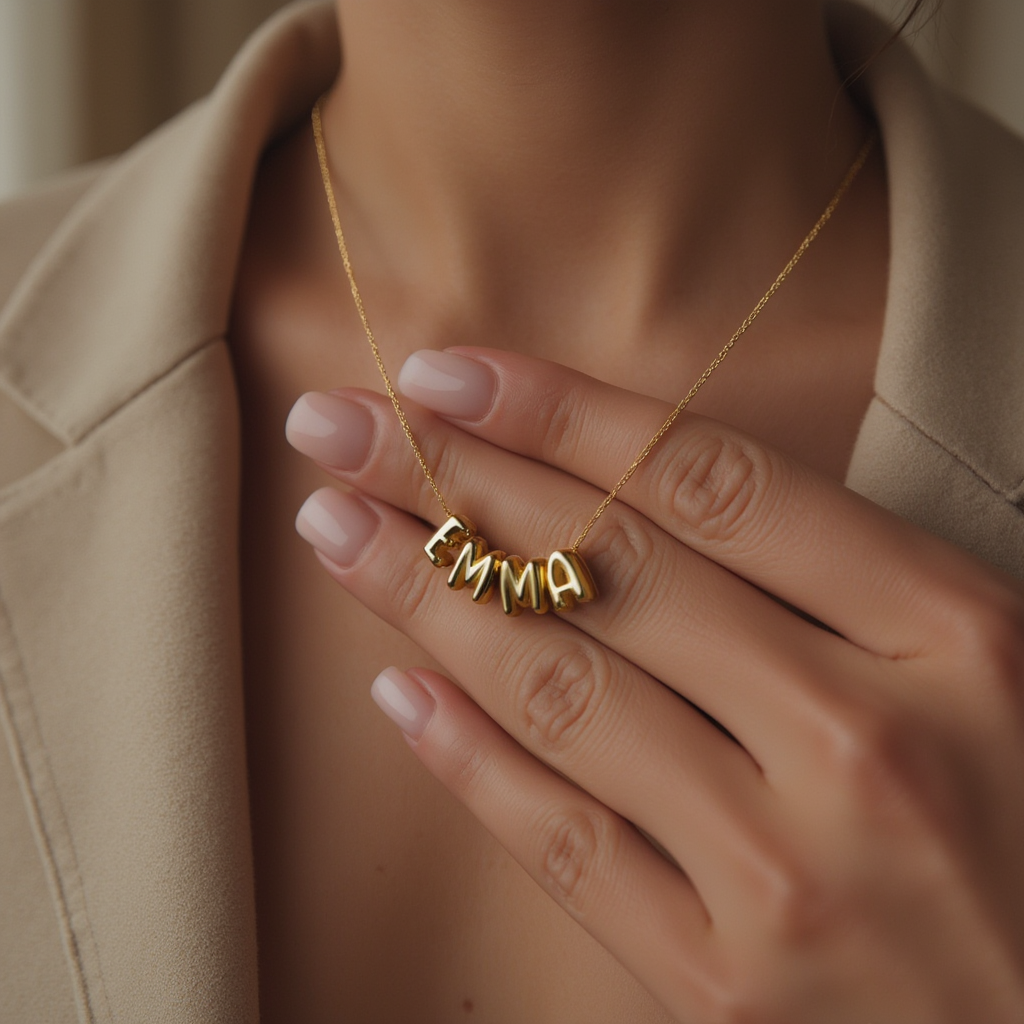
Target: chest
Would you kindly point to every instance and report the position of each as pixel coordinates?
(378, 897)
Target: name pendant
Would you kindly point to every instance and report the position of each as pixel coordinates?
(556, 583)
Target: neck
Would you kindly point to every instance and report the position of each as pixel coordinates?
(504, 154)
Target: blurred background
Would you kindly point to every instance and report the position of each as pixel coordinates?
(81, 79)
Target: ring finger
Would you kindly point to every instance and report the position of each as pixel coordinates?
(757, 681)
(579, 707)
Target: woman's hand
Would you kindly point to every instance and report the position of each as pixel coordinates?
(849, 846)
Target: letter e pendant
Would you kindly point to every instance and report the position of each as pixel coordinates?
(455, 530)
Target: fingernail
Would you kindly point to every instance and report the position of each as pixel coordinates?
(449, 384)
(338, 525)
(403, 700)
(330, 429)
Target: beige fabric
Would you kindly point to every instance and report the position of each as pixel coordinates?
(120, 669)
(125, 866)
(975, 47)
(951, 367)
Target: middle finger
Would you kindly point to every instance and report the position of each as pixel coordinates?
(724, 645)
(576, 705)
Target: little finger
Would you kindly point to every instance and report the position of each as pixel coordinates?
(595, 865)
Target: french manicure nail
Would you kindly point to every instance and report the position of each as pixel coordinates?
(338, 525)
(330, 429)
(448, 383)
(403, 700)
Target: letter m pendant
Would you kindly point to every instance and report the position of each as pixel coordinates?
(478, 567)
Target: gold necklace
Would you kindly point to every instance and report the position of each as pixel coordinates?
(561, 579)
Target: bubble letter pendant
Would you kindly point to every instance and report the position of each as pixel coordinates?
(454, 532)
(523, 585)
(569, 580)
(475, 562)
(560, 582)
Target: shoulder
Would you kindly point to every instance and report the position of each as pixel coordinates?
(27, 221)
(943, 442)
(952, 358)
(113, 276)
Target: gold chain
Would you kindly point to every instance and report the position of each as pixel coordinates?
(318, 135)
(321, 149)
(858, 163)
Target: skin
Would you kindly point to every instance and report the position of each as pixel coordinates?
(577, 226)
(850, 851)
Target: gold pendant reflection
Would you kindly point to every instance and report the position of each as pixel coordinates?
(558, 582)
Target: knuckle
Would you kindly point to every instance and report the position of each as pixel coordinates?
(411, 592)
(561, 691)
(989, 637)
(889, 776)
(735, 1001)
(444, 458)
(737, 1007)
(571, 845)
(751, 988)
(558, 417)
(792, 905)
(869, 752)
(620, 549)
(714, 482)
(747, 986)
(464, 765)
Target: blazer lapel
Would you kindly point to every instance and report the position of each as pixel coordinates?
(122, 680)
(943, 441)
(120, 663)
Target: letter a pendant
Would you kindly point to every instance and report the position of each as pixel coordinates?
(559, 581)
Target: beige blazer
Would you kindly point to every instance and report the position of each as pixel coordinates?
(125, 864)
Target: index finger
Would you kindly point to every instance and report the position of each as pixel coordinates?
(873, 577)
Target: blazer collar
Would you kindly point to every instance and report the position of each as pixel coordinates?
(951, 361)
(173, 210)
